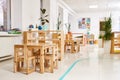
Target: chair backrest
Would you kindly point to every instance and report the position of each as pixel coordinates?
(53, 50)
(18, 52)
(55, 39)
(68, 36)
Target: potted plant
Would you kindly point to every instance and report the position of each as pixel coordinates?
(43, 19)
(58, 22)
(69, 34)
(68, 26)
(107, 35)
(100, 41)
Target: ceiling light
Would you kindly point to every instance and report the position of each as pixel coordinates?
(93, 6)
(114, 5)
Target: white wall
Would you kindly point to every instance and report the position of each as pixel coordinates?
(116, 21)
(67, 11)
(30, 13)
(24, 13)
(96, 18)
(65, 20)
(16, 14)
(53, 14)
(51, 7)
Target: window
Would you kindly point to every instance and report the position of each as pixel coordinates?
(5, 15)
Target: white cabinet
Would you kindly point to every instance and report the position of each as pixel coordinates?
(7, 44)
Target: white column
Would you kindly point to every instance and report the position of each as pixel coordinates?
(30, 13)
(16, 14)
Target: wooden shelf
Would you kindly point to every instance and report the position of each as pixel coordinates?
(118, 44)
(115, 40)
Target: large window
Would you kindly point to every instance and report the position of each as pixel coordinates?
(5, 15)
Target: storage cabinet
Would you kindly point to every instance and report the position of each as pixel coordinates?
(48, 36)
(7, 42)
(115, 42)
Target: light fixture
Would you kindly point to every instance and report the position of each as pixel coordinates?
(93, 6)
(114, 5)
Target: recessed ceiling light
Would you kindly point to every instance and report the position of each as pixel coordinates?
(93, 6)
(114, 5)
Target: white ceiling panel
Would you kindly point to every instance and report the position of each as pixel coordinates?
(83, 5)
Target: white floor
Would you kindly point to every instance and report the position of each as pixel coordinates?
(93, 64)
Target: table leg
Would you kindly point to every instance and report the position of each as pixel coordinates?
(42, 60)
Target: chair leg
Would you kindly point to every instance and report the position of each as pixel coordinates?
(34, 64)
(51, 61)
(15, 67)
(56, 64)
(18, 66)
(27, 65)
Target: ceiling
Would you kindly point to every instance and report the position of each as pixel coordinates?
(81, 6)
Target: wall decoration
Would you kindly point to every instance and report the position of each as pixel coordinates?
(84, 23)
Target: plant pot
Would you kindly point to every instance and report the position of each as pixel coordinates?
(44, 27)
(100, 43)
(69, 33)
(107, 46)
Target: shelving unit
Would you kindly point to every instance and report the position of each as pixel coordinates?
(48, 36)
(81, 37)
(115, 46)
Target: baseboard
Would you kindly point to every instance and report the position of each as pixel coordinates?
(3, 58)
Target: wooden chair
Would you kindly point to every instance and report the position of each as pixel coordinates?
(69, 43)
(51, 57)
(18, 57)
(24, 61)
(56, 41)
(76, 46)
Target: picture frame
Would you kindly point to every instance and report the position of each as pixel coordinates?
(84, 23)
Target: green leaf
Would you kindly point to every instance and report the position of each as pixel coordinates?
(42, 19)
(46, 16)
(47, 20)
(107, 29)
(43, 23)
(43, 11)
